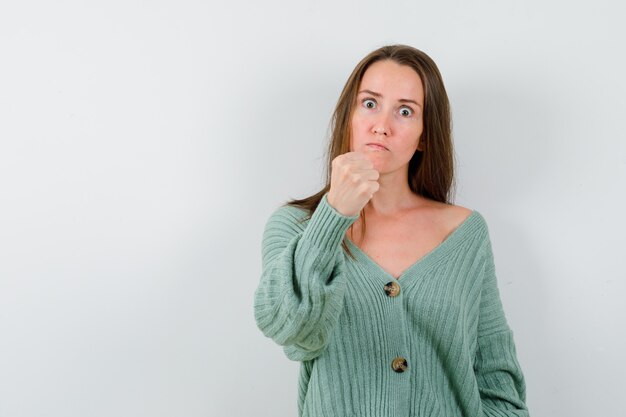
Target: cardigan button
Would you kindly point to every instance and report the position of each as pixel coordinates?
(392, 289)
(399, 364)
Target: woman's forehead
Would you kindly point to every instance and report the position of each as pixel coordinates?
(392, 80)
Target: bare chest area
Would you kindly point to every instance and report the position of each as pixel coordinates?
(395, 245)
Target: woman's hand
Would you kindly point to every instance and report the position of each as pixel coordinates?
(353, 182)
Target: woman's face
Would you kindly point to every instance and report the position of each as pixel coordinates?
(388, 111)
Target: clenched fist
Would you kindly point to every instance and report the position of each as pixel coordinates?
(353, 182)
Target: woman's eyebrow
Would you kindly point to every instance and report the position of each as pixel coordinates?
(371, 92)
(402, 100)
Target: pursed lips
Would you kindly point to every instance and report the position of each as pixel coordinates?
(377, 145)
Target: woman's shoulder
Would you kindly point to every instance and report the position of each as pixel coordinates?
(286, 216)
(458, 214)
(475, 225)
(450, 215)
(455, 216)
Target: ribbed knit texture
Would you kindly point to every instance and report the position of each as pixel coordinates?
(332, 314)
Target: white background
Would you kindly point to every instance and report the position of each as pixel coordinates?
(144, 144)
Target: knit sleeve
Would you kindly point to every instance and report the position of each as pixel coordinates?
(301, 290)
(498, 373)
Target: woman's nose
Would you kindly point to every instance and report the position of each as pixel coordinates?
(382, 125)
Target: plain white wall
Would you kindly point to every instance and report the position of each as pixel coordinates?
(144, 144)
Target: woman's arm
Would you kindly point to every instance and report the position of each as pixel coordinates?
(301, 291)
(498, 372)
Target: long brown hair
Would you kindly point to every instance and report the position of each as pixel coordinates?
(431, 171)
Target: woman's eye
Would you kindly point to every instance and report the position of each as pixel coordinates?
(369, 103)
(405, 111)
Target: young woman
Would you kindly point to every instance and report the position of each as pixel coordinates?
(402, 317)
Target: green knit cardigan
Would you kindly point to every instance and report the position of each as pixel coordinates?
(438, 347)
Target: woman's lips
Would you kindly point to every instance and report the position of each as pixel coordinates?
(377, 146)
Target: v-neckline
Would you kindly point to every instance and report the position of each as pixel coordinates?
(425, 261)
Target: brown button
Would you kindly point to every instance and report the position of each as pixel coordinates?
(399, 364)
(392, 288)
